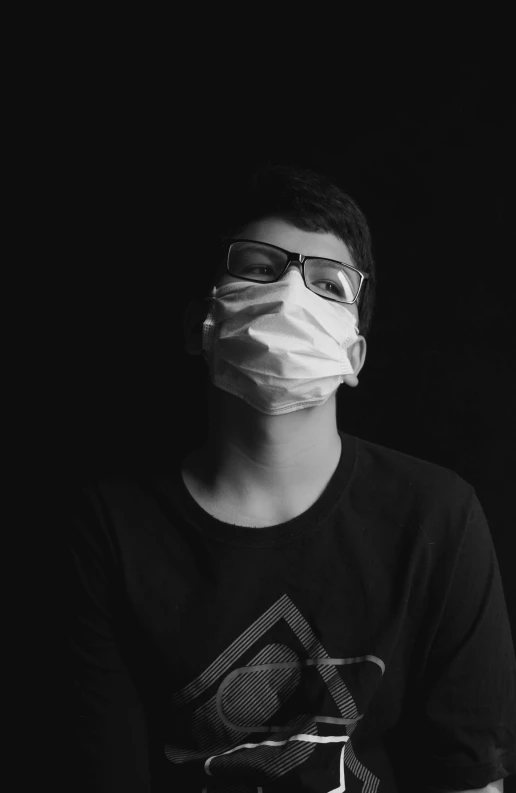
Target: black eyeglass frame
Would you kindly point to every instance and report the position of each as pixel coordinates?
(296, 257)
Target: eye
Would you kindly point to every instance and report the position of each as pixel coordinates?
(337, 290)
(261, 267)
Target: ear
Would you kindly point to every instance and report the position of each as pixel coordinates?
(193, 317)
(357, 355)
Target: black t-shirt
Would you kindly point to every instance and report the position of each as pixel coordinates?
(362, 646)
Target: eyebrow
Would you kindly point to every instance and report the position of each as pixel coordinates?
(335, 261)
(307, 256)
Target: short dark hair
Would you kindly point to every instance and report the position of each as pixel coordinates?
(311, 201)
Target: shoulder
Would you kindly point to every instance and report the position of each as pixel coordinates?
(395, 466)
(401, 486)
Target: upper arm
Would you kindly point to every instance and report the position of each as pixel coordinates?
(108, 731)
(465, 718)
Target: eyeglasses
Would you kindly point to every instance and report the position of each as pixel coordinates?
(328, 278)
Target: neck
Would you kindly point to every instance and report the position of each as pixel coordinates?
(249, 454)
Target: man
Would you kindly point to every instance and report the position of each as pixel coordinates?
(287, 611)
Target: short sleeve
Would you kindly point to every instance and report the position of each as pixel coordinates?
(108, 731)
(466, 722)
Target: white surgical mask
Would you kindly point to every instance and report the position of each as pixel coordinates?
(278, 346)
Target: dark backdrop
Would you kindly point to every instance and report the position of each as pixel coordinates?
(433, 171)
(137, 183)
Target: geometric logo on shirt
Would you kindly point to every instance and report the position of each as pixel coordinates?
(273, 712)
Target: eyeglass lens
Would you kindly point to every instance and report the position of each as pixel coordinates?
(261, 263)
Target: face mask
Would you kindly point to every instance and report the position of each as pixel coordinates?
(278, 346)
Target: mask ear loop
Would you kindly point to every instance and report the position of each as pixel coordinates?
(208, 326)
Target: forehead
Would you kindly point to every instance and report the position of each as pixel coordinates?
(277, 231)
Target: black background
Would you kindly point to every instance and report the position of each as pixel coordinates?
(129, 172)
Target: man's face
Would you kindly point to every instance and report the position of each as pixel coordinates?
(279, 232)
